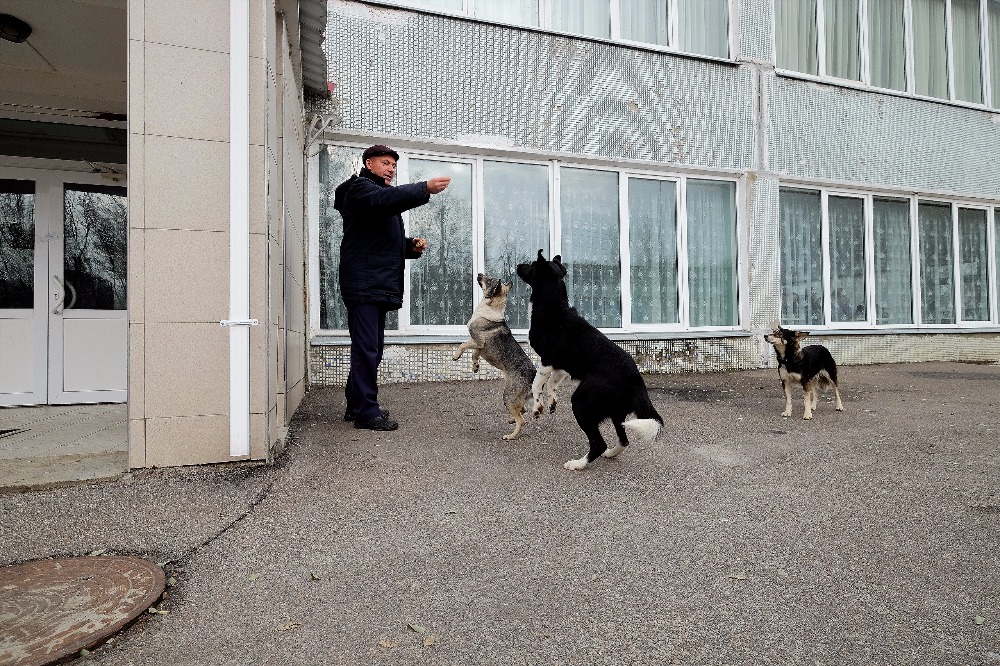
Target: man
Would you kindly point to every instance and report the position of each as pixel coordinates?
(372, 255)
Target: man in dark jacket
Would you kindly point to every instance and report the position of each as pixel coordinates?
(372, 255)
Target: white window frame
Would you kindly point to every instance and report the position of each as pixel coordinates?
(545, 23)
(555, 239)
(991, 99)
(870, 322)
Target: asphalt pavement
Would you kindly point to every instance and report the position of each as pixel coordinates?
(870, 536)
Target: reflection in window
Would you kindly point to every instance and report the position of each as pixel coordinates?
(652, 213)
(582, 17)
(994, 51)
(796, 35)
(974, 267)
(516, 222)
(847, 259)
(95, 227)
(590, 244)
(704, 27)
(711, 251)
(335, 166)
(937, 270)
(966, 34)
(645, 21)
(518, 12)
(17, 244)
(801, 240)
(441, 291)
(930, 53)
(893, 274)
(888, 48)
(843, 57)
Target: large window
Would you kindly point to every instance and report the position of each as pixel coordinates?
(830, 277)
(947, 49)
(644, 252)
(17, 244)
(692, 26)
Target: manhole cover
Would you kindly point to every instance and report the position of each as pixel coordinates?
(51, 609)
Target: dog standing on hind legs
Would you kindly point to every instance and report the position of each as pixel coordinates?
(491, 338)
(610, 384)
(811, 366)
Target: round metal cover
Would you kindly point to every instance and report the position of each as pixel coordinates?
(52, 609)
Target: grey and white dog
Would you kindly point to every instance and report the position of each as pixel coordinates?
(492, 340)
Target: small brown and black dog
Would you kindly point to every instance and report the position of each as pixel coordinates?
(811, 366)
(492, 339)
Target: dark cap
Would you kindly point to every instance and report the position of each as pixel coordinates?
(377, 151)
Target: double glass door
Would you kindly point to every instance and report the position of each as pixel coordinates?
(63, 272)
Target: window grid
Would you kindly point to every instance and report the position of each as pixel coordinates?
(402, 321)
(991, 249)
(989, 97)
(545, 9)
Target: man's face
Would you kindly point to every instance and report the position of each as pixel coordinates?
(383, 166)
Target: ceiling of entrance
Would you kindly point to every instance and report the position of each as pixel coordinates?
(74, 64)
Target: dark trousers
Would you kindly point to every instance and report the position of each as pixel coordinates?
(366, 324)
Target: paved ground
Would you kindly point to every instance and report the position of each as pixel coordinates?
(865, 537)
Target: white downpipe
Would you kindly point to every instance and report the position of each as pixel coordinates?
(239, 228)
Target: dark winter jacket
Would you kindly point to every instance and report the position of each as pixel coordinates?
(375, 246)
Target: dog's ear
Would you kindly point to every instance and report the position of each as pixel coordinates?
(541, 257)
(494, 289)
(560, 268)
(801, 334)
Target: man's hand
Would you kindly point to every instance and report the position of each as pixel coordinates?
(418, 244)
(435, 185)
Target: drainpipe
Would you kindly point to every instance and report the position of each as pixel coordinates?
(239, 321)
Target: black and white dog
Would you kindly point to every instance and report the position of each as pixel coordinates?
(610, 384)
(811, 366)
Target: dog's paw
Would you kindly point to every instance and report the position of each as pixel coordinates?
(552, 407)
(456, 356)
(510, 437)
(576, 465)
(613, 452)
(475, 366)
(786, 414)
(807, 417)
(537, 411)
(840, 409)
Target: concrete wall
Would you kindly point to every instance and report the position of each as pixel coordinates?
(179, 230)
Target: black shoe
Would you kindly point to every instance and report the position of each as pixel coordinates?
(382, 422)
(350, 416)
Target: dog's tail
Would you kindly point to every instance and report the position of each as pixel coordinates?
(646, 426)
(642, 430)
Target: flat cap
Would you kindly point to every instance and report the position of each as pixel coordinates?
(378, 150)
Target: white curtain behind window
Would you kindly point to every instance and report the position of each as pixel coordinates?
(974, 269)
(582, 17)
(442, 5)
(994, 34)
(704, 27)
(847, 259)
(652, 214)
(711, 252)
(516, 221)
(843, 58)
(893, 275)
(966, 32)
(930, 49)
(440, 284)
(801, 239)
(937, 268)
(888, 48)
(796, 35)
(590, 244)
(518, 12)
(645, 21)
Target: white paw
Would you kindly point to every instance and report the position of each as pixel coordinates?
(840, 409)
(576, 465)
(786, 414)
(613, 452)
(807, 417)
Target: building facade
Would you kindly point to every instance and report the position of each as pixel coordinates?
(704, 168)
